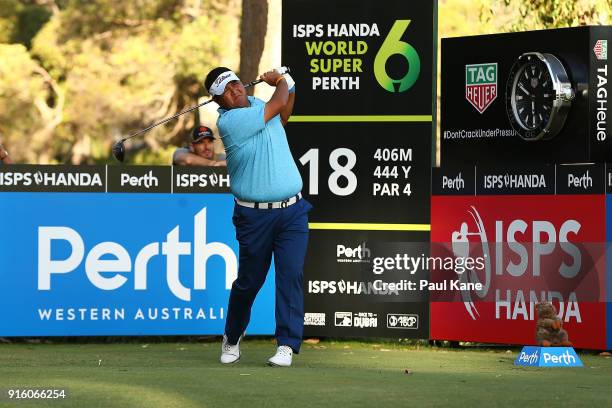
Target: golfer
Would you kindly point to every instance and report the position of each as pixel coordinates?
(270, 215)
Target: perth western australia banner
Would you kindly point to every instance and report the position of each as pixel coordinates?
(96, 263)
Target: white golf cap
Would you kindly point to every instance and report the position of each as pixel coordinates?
(219, 84)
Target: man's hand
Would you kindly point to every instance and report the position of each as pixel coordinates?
(280, 96)
(4, 156)
(287, 110)
(271, 77)
(192, 159)
(290, 81)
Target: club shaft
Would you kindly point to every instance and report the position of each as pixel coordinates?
(161, 122)
(257, 81)
(168, 119)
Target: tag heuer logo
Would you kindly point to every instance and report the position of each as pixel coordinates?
(601, 49)
(481, 85)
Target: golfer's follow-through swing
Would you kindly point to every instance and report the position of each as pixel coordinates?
(270, 215)
(118, 149)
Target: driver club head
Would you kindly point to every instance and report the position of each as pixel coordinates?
(119, 151)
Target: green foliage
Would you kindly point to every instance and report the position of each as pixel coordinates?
(19, 21)
(18, 87)
(542, 14)
(161, 155)
(9, 16)
(30, 20)
(111, 67)
(342, 374)
(84, 18)
(20, 90)
(194, 43)
(52, 54)
(461, 17)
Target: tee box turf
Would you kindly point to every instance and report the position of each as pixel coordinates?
(532, 356)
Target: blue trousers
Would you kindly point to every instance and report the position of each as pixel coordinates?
(261, 233)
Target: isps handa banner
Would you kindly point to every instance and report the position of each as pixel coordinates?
(76, 264)
(539, 235)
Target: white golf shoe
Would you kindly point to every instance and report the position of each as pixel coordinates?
(282, 358)
(230, 353)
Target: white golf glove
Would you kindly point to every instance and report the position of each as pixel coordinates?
(290, 81)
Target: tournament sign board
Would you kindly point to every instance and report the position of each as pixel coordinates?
(541, 232)
(362, 136)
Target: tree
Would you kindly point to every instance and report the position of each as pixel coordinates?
(30, 103)
(253, 27)
(101, 69)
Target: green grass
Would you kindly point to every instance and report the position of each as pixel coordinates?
(336, 374)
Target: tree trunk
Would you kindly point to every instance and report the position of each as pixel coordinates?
(253, 27)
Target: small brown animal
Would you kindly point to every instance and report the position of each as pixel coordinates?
(548, 328)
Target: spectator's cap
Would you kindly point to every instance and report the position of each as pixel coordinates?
(200, 133)
(217, 79)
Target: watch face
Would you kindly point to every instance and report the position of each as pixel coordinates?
(530, 97)
(533, 95)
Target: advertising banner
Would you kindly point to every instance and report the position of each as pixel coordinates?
(348, 280)
(540, 234)
(88, 262)
(609, 254)
(526, 97)
(548, 357)
(362, 135)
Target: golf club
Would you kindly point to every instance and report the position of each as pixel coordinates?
(118, 149)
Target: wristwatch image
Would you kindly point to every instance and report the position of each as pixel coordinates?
(539, 95)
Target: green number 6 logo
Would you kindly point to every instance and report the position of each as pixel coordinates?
(391, 46)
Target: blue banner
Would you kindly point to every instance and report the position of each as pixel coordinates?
(609, 320)
(76, 264)
(608, 267)
(531, 356)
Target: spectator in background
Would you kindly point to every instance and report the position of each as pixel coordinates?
(4, 156)
(201, 150)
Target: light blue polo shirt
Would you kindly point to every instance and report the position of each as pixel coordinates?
(259, 162)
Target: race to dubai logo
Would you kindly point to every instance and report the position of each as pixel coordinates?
(601, 49)
(481, 85)
(461, 249)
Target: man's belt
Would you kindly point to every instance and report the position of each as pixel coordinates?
(275, 204)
